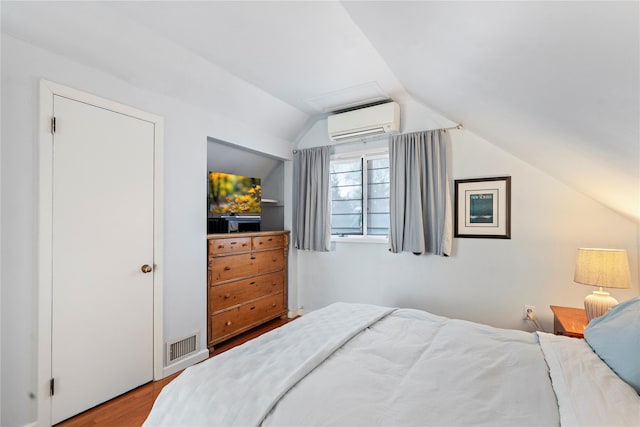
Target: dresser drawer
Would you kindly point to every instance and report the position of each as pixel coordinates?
(267, 242)
(268, 261)
(232, 267)
(229, 245)
(240, 291)
(245, 316)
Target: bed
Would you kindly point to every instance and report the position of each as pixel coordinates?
(358, 364)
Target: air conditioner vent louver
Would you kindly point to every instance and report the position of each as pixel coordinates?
(360, 134)
(364, 122)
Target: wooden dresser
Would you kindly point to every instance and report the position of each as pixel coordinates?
(247, 282)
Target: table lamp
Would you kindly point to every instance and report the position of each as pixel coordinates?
(605, 268)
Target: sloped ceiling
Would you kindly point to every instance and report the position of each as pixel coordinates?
(554, 83)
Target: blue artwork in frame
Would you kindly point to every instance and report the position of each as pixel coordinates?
(483, 208)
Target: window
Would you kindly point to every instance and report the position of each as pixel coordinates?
(360, 196)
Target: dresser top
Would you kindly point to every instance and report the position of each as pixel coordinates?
(245, 234)
(572, 320)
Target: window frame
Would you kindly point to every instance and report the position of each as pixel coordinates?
(364, 156)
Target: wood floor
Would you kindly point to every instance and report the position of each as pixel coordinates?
(132, 408)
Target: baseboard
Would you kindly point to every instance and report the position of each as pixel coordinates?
(185, 363)
(295, 313)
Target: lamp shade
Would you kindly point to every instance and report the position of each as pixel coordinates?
(607, 268)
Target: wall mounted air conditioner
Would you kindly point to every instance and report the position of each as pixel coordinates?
(364, 122)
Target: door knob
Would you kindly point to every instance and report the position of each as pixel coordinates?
(146, 268)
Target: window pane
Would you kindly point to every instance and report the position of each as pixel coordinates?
(378, 175)
(346, 224)
(377, 232)
(345, 166)
(378, 197)
(347, 221)
(377, 191)
(352, 192)
(378, 224)
(346, 178)
(382, 162)
(346, 195)
(378, 205)
(346, 206)
(378, 220)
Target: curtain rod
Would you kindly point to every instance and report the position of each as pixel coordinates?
(456, 127)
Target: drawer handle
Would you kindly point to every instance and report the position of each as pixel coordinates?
(270, 239)
(220, 246)
(260, 243)
(228, 323)
(227, 296)
(253, 308)
(274, 284)
(227, 268)
(244, 244)
(233, 243)
(252, 283)
(252, 257)
(273, 304)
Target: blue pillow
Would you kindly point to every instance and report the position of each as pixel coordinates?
(615, 337)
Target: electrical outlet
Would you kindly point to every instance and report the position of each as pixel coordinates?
(529, 310)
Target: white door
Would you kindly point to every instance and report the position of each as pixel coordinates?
(102, 301)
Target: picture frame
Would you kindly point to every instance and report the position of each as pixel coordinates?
(483, 208)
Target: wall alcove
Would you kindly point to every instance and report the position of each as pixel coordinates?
(226, 157)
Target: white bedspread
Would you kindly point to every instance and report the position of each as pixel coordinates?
(416, 368)
(240, 386)
(366, 365)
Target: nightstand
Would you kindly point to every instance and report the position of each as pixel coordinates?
(569, 321)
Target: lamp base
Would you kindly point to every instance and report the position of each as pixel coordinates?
(598, 303)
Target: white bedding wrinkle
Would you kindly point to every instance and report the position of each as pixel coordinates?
(589, 393)
(415, 368)
(240, 386)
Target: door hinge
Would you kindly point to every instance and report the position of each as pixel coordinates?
(53, 125)
(51, 387)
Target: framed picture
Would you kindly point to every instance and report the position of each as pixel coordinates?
(483, 208)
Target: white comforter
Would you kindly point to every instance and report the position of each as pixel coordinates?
(365, 365)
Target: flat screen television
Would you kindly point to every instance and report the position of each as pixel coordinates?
(231, 194)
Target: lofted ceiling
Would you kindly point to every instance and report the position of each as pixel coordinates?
(556, 84)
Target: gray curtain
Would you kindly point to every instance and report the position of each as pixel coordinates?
(420, 197)
(312, 218)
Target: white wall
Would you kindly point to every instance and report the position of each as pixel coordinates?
(273, 188)
(485, 280)
(185, 154)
